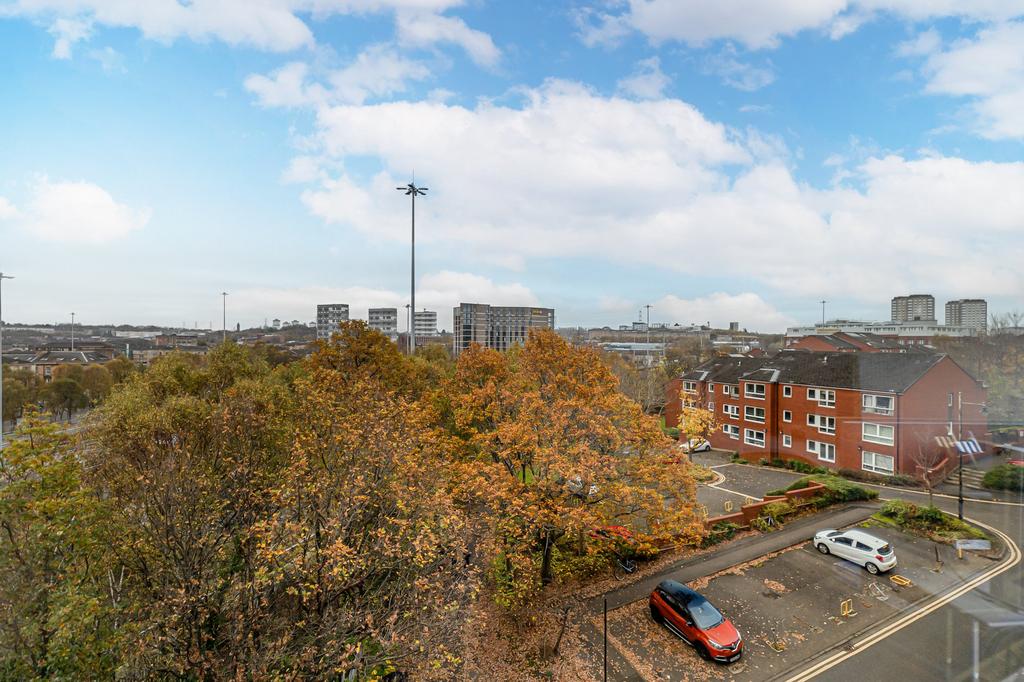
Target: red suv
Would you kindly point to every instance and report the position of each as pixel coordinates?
(692, 617)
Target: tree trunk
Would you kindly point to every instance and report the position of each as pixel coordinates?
(545, 564)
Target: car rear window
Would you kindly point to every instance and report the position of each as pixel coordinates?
(885, 549)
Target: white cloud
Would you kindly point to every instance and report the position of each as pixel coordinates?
(571, 174)
(7, 210)
(420, 29)
(79, 211)
(647, 81)
(439, 291)
(749, 309)
(989, 69)
(923, 44)
(378, 71)
(738, 74)
(274, 25)
(755, 108)
(758, 25)
(109, 59)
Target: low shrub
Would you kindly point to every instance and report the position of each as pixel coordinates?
(763, 461)
(720, 532)
(836, 489)
(777, 463)
(804, 467)
(878, 479)
(931, 521)
(735, 457)
(671, 431)
(1005, 477)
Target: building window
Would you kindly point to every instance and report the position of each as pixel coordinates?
(754, 414)
(731, 430)
(787, 391)
(878, 463)
(752, 437)
(690, 386)
(826, 452)
(787, 416)
(824, 397)
(787, 441)
(878, 433)
(754, 391)
(823, 424)
(711, 388)
(732, 410)
(711, 406)
(877, 404)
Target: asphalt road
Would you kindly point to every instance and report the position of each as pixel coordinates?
(978, 636)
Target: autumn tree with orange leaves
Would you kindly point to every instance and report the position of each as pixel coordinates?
(554, 450)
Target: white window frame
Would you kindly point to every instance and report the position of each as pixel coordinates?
(824, 424)
(787, 391)
(749, 392)
(869, 404)
(689, 387)
(876, 437)
(747, 409)
(785, 418)
(826, 400)
(747, 433)
(787, 440)
(869, 462)
(733, 411)
(731, 430)
(826, 452)
(711, 388)
(711, 405)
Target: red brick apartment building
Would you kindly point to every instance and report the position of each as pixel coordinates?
(842, 410)
(845, 342)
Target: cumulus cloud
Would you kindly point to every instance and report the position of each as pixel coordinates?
(760, 25)
(438, 291)
(378, 71)
(569, 173)
(74, 211)
(273, 25)
(988, 69)
(749, 309)
(647, 81)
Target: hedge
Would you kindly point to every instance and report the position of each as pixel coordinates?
(836, 489)
(1005, 477)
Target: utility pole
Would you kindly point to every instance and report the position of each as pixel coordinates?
(72, 332)
(408, 324)
(960, 454)
(2, 278)
(411, 190)
(823, 312)
(224, 313)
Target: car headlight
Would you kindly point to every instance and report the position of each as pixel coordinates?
(715, 644)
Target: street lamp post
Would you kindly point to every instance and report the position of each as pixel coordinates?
(408, 324)
(412, 190)
(960, 402)
(224, 319)
(72, 332)
(2, 278)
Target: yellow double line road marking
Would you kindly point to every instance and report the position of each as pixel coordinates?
(835, 659)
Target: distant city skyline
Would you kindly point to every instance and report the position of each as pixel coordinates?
(742, 164)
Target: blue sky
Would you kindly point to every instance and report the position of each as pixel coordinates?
(729, 160)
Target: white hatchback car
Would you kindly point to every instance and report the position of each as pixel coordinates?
(874, 554)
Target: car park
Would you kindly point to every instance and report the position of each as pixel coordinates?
(690, 616)
(874, 554)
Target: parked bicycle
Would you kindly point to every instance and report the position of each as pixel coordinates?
(623, 567)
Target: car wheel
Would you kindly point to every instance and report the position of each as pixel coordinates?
(823, 548)
(872, 569)
(656, 617)
(703, 652)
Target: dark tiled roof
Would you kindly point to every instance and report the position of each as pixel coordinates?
(887, 372)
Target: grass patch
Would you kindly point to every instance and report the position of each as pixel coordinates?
(1005, 477)
(930, 522)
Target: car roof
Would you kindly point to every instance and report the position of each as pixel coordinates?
(680, 592)
(869, 540)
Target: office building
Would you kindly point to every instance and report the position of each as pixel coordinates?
(913, 308)
(384, 320)
(328, 317)
(497, 327)
(425, 323)
(968, 312)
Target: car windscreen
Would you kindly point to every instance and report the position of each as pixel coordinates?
(705, 616)
(885, 549)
